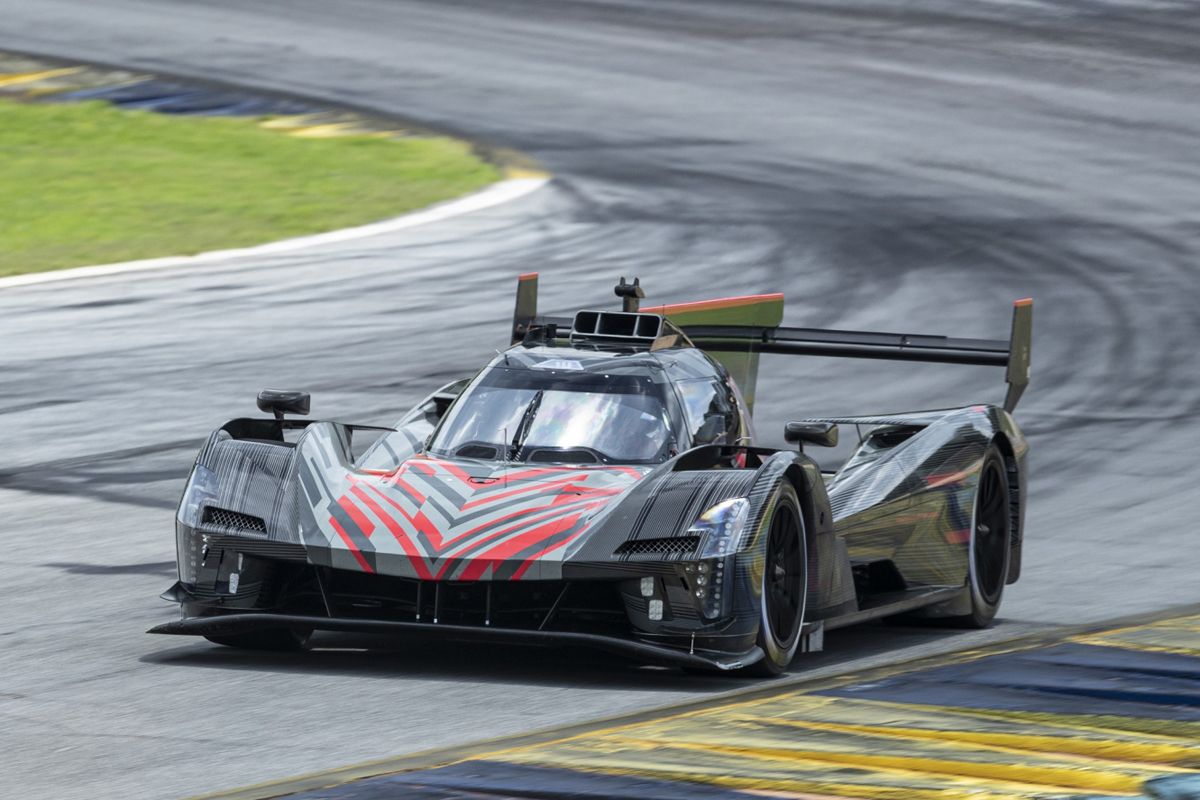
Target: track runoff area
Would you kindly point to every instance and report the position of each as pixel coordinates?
(1103, 713)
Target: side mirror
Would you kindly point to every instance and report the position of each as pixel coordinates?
(713, 426)
(281, 402)
(821, 434)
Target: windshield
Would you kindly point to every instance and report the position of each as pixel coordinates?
(557, 416)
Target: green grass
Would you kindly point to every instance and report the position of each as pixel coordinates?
(86, 183)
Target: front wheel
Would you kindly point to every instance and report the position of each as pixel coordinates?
(279, 640)
(784, 584)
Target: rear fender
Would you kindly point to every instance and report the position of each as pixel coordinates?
(911, 502)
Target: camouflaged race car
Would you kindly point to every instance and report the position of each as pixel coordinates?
(598, 483)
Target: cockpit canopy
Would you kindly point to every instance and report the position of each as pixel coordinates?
(560, 413)
(565, 405)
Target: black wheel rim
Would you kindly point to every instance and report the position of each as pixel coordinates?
(990, 536)
(784, 584)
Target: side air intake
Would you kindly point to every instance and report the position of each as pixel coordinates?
(224, 518)
(667, 546)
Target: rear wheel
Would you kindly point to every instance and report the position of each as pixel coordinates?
(990, 543)
(270, 639)
(784, 584)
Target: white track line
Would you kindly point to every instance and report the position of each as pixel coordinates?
(494, 195)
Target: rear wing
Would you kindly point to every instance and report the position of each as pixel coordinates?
(737, 329)
(1012, 354)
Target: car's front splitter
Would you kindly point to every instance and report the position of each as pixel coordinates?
(236, 623)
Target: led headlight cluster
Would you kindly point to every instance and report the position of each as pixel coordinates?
(201, 488)
(720, 531)
(190, 548)
(720, 528)
(706, 582)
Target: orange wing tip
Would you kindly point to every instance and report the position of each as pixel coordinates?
(720, 302)
(527, 276)
(1024, 301)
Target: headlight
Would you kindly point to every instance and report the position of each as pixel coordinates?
(720, 528)
(720, 531)
(201, 488)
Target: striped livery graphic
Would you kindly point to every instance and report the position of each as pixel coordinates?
(442, 520)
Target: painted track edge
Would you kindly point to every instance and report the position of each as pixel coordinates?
(498, 193)
(442, 756)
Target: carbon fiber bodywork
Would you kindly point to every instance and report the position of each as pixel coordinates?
(907, 491)
(299, 532)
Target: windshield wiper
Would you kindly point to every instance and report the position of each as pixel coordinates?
(525, 424)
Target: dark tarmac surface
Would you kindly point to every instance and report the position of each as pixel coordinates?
(908, 166)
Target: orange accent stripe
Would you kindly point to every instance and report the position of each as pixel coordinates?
(959, 537)
(1025, 301)
(720, 302)
(526, 276)
(946, 478)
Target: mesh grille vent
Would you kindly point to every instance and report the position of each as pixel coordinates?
(674, 545)
(225, 518)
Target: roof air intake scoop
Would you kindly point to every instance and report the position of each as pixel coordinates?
(616, 327)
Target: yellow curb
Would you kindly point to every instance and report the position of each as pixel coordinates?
(907, 777)
(340, 129)
(33, 77)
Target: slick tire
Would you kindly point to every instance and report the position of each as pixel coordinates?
(990, 545)
(784, 583)
(277, 640)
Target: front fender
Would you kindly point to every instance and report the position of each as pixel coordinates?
(253, 479)
(830, 582)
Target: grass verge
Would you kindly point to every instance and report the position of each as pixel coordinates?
(87, 183)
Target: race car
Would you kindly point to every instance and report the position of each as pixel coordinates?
(599, 483)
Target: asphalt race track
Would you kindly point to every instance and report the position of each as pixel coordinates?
(908, 166)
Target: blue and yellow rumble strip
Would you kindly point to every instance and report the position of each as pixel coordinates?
(37, 80)
(30, 79)
(1108, 714)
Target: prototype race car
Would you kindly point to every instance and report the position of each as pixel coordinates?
(598, 484)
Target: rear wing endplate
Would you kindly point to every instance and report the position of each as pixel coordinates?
(1020, 342)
